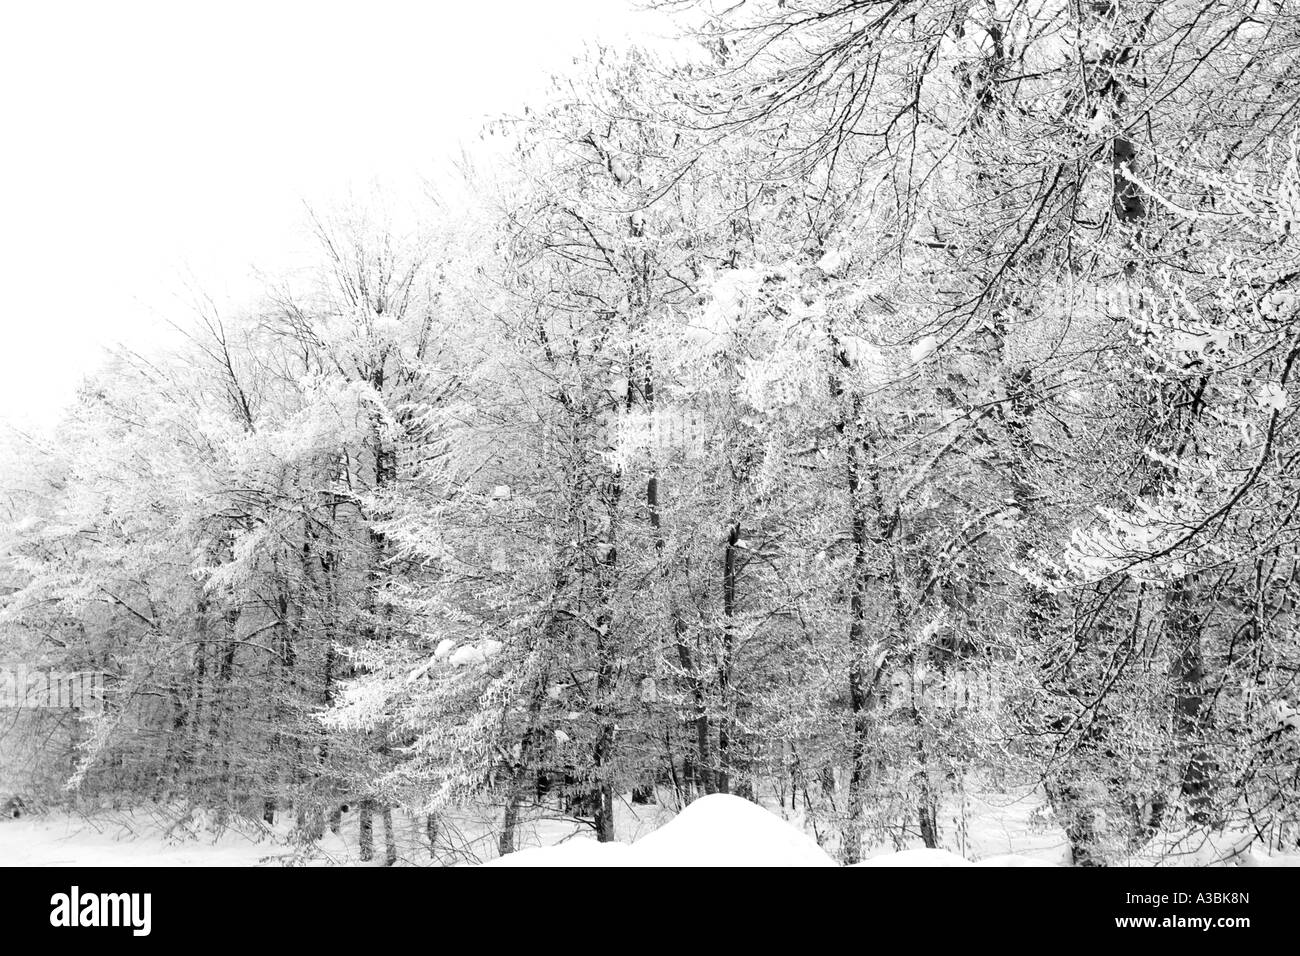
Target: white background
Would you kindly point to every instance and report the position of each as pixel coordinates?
(151, 149)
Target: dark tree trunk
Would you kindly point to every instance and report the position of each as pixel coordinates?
(509, 823)
(1191, 712)
(729, 575)
(390, 837)
(366, 829)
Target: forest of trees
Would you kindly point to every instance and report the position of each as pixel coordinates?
(881, 400)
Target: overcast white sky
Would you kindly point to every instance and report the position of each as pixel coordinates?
(147, 141)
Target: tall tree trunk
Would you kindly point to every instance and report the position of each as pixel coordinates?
(431, 832)
(1191, 711)
(695, 769)
(729, 573)
(366, 829)
(604, 749)
(862, 483)
(221, 729)
(517, 785)
(510, 822)
(390, 837)
(196, 750)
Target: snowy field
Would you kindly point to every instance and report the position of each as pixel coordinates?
(715, 830)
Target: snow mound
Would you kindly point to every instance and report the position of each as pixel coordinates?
(724, 830)
(717, 830)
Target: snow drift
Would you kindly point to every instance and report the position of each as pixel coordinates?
(722, 830)
(717, 830)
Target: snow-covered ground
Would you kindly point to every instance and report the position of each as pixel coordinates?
(715, 830)
(127, 840)
(163, 836)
